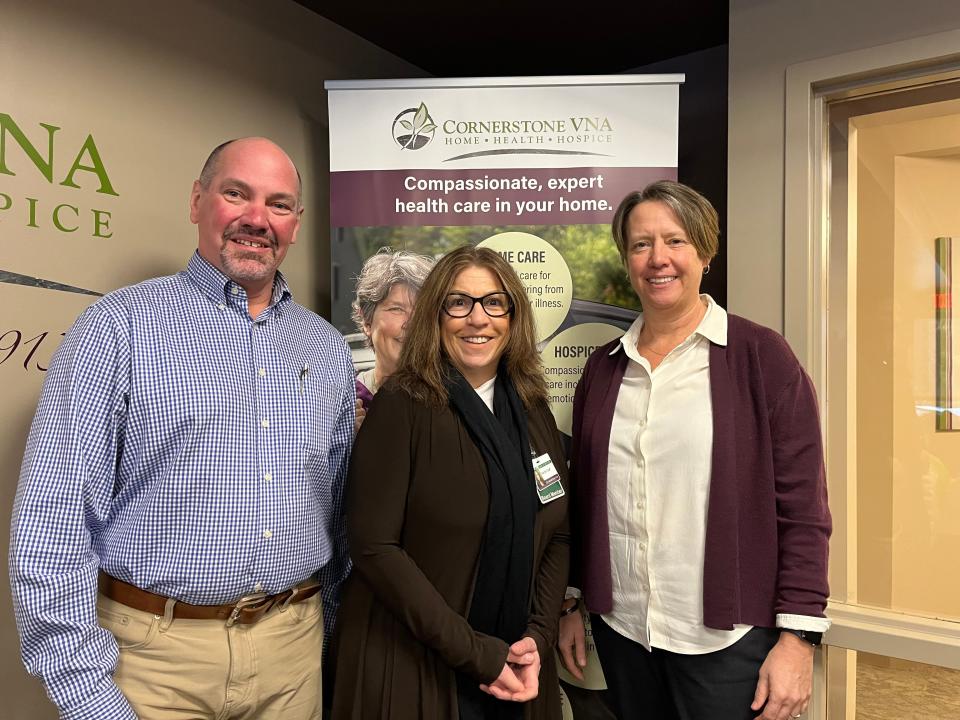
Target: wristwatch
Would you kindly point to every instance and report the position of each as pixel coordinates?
(814, 638)
(572, 609)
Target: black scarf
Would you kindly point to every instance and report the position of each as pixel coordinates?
(501, 595)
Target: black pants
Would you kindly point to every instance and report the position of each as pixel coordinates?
(662, 685)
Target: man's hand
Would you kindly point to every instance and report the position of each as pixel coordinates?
(572, 643)
(786, 678)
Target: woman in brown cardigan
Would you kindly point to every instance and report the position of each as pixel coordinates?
(457, 515)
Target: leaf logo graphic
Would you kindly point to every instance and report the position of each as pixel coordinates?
(413, 128)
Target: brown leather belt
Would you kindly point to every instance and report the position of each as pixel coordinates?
(245, 611)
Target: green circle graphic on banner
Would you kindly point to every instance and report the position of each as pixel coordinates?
(543, 272)
(563, 360)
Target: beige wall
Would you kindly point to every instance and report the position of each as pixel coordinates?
(907, 173)
(926, 472)
(871, 189)
(766, 36)
(157, 85)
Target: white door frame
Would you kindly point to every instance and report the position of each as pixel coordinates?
(807, 307)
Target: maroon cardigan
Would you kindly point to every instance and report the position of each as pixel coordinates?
(768, 523)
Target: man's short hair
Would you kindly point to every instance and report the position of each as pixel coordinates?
(212, 166)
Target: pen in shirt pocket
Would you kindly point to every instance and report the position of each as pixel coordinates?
(303, 376)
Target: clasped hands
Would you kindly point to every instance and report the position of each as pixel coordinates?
(519, 681)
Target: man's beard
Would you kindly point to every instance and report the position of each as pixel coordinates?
(243, 265)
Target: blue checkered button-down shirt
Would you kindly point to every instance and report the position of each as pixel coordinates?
(186, 449)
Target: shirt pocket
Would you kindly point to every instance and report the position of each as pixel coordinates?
(318, 406)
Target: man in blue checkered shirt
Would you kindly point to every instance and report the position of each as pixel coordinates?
(178, 517)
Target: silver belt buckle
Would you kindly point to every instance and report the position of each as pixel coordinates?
(244, 602)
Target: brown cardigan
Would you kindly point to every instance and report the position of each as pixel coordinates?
(416, 509)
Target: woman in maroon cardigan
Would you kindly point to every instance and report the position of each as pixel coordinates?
(700, 519)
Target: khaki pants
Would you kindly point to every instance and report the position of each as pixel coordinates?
(203, 670)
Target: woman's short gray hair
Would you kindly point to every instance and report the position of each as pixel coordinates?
(381, 272)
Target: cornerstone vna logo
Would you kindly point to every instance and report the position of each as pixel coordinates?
(413, 128)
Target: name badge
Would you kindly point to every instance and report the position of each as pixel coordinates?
(549, 487)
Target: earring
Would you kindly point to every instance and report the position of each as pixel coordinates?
(706, 270)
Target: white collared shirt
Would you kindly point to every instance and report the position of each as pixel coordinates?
(658, 483)
(485, 391)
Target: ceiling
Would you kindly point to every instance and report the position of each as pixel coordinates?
(556, 37)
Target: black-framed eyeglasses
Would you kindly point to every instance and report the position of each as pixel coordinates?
(495, 304)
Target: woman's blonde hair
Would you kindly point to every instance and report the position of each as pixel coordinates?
(423, 363)
(694, 212)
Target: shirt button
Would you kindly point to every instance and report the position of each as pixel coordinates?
(265, 423)
(643, 423)
(639, 506)
(258, 587)
(261, 372)
(221, 306)
(234, 290)
(268, 534)
(268, 477)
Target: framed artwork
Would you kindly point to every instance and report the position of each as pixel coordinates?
(948, 333)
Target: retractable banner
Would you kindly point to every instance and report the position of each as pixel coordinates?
(531, 167)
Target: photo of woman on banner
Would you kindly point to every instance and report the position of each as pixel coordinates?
(386, 291)
(460, 563)
(700, 518)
